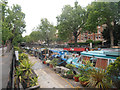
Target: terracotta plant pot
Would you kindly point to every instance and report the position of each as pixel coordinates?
(44, 62)
(76, 79)
(83, 83)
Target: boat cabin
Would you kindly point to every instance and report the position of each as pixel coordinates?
(101, 59)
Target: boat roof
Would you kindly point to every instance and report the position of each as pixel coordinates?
(97, 54)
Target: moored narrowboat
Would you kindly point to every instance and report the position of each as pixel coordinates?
(101, 59)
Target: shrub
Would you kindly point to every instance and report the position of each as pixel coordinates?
(70, 72)
(99, 79)
(70, 66)
(83, 78)
(17, 49)
(113, 70)
(23, 56)
(54, 62)
(89, 41)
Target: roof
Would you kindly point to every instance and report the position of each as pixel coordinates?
(97, 54)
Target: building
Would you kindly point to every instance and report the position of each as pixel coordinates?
(97, 36)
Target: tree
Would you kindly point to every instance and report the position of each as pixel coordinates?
(17, 40)
(71, 22)
(4, 30)
(103, 13)
(116, 34)
(47, 31)
(16, 22)
(35, 36)
(28, 39)
(13, 23)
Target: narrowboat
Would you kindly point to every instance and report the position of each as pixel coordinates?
(101, 59)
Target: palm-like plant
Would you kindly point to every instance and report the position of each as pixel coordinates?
(25, 67)
(99, 79)
(23, 56)
(18, 77)
(34, 81)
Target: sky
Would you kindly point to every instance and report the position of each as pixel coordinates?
(35, 10)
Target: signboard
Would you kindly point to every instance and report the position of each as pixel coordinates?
(90, 45)
(74, 49)
(16, 54)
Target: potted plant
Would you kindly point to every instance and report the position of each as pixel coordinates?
(23, 56)
(53, 63)
(48, 61)
(44, 61)
(70, 73)
(76, 77)
(83, 80)
(100, 79)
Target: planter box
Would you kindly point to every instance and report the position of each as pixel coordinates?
(83, 83)
(24, 84)
(33, 88)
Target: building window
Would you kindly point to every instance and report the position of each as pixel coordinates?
(96, 37)
(99, 36)
(91, 37)
(98, 26)
(99, 31)
(81, 38)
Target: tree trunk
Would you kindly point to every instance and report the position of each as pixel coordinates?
(111, 34)
(9, 46)
(111, 38)
(3, 50)
(75, 39)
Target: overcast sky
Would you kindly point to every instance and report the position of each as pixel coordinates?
(37, 9)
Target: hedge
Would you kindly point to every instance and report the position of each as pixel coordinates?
(86, 43)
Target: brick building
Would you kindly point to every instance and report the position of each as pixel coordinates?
(83, 37)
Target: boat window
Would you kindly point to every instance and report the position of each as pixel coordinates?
(79, 60)
(94, 63)
(110, 61)
(93, 60)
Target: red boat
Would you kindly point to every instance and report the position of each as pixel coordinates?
(78, 50)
